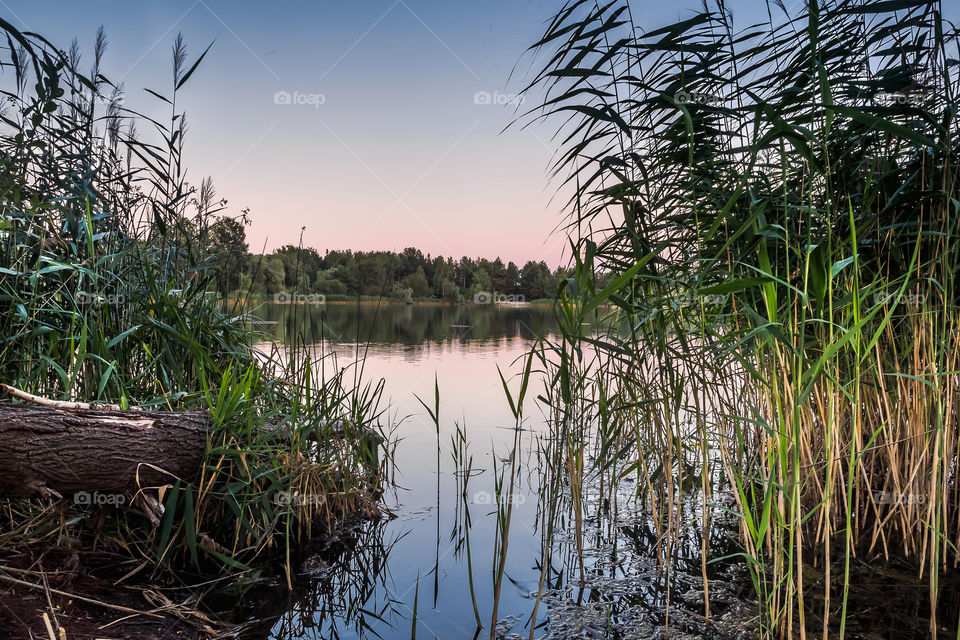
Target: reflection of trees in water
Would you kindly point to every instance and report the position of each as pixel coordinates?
(404, 324)
(336, 591)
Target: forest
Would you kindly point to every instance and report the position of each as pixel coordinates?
(406, 275)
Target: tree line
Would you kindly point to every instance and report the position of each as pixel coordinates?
(407, 275)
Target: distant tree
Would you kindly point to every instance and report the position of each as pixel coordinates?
(559, 274)
(400, 292)
(530, 281)
(329, 286)
(550, 280)
(267, 273)
(463, 273)
(512, 278)
(400, 276)
(297, 262)
(349, 274)
(304, 284)
(499, 281)
(245, 285)
(417, 283)
(429, 268)
(442, 272)
(481, 281)
(372, 273)
(336, 258)
(227, 247)
(411, 259)
(449, 291)
(536, 281)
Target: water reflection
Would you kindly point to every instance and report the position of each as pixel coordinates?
(444, 533)
(393, 324)
(336, 589)
(443, 542)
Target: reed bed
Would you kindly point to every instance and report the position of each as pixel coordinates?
(107, 268)
(765, 221)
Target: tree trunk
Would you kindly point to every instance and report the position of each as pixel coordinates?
(51, 450)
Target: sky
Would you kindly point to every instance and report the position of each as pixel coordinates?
(362, 124)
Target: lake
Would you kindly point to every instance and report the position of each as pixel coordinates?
(409, 347)
(371, 580)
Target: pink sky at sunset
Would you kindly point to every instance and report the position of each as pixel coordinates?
(393, 136)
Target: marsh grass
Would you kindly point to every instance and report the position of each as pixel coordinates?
(765, 220)
(505, 485)
(107, 281)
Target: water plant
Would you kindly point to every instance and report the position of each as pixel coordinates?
(774, 208)
(108, 283)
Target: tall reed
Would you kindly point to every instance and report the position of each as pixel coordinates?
(106, 271)
(773, 210)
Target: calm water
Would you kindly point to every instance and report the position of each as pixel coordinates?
(368, 583)
(370, 591)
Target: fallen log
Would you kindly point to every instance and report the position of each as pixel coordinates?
(52, 450)
(55, 448)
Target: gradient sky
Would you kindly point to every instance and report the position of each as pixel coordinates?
(398, 154)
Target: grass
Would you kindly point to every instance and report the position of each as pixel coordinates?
(774, 210)
(105, 261)
(762, 316)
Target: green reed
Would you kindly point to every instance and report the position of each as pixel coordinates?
(764, 220)
(106, 274)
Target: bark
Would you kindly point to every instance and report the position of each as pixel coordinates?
(48, 450)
